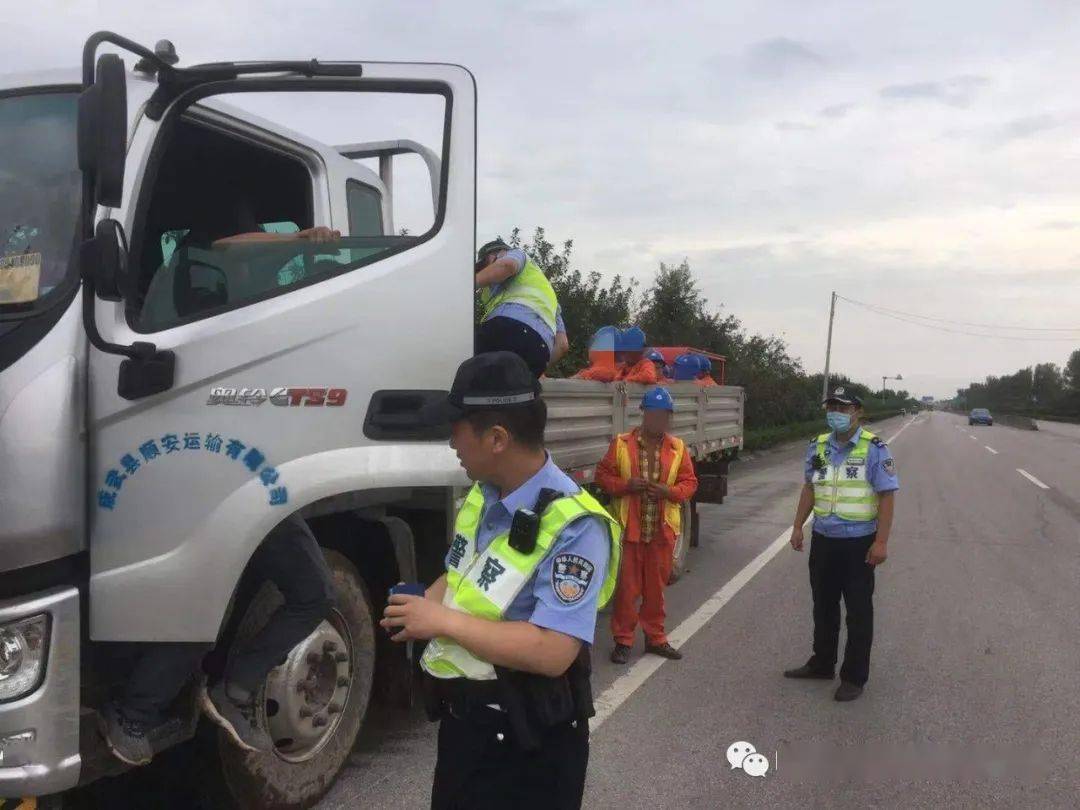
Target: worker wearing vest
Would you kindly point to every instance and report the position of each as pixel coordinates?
(520, 311)
(850, 484)
(650, 475)
(510, 624)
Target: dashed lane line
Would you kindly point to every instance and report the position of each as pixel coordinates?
(1032, 479)
(991, 449)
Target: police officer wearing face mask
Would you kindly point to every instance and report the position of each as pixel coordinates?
(850, 484)
(510, 624)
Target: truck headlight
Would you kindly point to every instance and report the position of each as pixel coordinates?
(24, 646)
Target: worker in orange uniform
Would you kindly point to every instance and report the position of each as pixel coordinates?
(650, 474)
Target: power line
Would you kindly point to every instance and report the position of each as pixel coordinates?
(887, 310)
(909, 318)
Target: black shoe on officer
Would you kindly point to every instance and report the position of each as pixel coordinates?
(127, 739)
(847, 691)
(664, 650)
(238, 715)
(621, 654)
(810, 671)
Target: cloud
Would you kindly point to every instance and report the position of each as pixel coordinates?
(1026, 127)
(958, 91)
(780, 57)
(793, 126)
(837, 110)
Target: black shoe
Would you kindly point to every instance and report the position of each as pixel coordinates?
(127, 739)
(809, 672)
(664, 650)
(847, 691)
(239, 718)
(621, 654)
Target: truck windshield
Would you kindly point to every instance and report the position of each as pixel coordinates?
(39, 174)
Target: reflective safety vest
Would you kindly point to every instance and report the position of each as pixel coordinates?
(485, 584)
(529, 288)
(845, 490)
(621, 506)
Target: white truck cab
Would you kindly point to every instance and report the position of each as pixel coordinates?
(167, 397)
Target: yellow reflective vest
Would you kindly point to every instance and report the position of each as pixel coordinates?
(845, 490)
(484, 584)
(529, 288)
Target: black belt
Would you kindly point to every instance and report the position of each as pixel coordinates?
(458, 696)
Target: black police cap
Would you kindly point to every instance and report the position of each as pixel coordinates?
(843, 396)
(491, 247)
(489, 381)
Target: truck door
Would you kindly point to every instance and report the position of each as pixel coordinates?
(281, 332)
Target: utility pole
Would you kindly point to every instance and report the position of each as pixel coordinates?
(828, 350)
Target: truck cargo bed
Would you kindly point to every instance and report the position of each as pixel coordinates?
(584, 415)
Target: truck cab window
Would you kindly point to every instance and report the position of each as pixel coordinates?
(365, 209)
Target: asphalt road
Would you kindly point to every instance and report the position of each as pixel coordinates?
(972, 700)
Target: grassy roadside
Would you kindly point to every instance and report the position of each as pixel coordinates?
(763, 438)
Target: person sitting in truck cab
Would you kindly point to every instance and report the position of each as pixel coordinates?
(289, 557)
(521, 313)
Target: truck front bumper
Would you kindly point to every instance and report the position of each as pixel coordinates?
(39, 732)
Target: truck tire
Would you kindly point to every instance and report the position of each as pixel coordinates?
(302, 766)
(681, 552)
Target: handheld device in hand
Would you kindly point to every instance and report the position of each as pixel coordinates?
(408, 589)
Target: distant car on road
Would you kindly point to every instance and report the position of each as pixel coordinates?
(980, 416)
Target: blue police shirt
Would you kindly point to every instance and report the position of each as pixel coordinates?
(587, 537)
(522, 313)
(880, 472)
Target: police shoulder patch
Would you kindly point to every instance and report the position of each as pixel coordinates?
(571, 575)
(889, 466)
(877, 442)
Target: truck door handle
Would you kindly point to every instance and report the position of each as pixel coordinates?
(398, 415)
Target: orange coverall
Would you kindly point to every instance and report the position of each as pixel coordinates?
(646, 562)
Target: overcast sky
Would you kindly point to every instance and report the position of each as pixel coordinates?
(921, 156)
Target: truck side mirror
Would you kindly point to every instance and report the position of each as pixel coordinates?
(102, 138)
(103, 258)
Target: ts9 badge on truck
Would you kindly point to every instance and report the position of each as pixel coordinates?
(281, 396)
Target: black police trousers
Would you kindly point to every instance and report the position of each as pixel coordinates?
(291, 559)
(501, 334)
(838, 568)
(480, 765)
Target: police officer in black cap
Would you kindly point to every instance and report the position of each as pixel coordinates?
(850, 485)
(510, 624)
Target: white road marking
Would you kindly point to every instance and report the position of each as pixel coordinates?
(1032, 479)
(991, 449)
(634, 678)
(973, 436)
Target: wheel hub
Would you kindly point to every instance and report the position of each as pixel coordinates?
(306, 695)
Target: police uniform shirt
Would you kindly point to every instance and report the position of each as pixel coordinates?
(880, 473)
(562, 595)
(522, 313)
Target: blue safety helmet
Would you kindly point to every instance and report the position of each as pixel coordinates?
(687, 366)
(631, 339)
(655, 356)
(657, 399)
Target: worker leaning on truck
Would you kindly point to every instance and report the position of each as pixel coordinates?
(289, 557)
(521, 313)
(650, 474)
(850, 484)
(510, 624)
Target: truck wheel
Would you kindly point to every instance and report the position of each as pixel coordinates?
(315, 704)
(682, 545)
